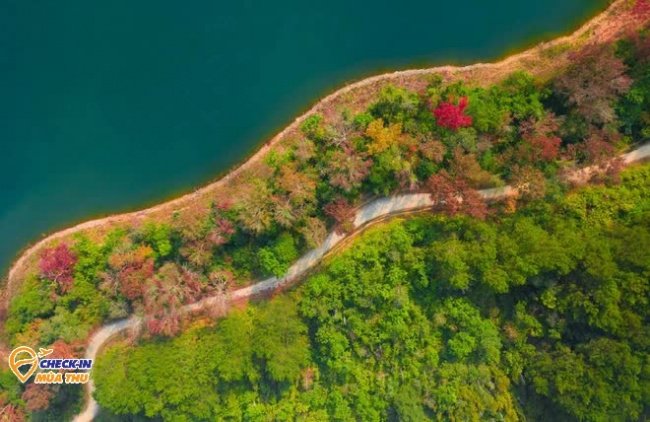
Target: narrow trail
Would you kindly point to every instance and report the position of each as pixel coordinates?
(370, 213)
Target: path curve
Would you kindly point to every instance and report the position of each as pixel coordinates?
(371, 212)
(181, 202)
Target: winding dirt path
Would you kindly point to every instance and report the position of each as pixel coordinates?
(370, 213)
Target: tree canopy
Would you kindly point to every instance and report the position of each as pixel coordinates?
(537, 315)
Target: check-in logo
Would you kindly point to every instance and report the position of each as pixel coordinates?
(17, 359)
(24, 361)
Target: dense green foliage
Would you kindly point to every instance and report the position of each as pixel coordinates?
(541, 314)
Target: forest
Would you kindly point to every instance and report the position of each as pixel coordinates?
(536, 308)
(540, 314)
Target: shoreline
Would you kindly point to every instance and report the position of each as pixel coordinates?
(180, 202)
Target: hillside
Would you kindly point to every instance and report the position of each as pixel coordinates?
(489, 291)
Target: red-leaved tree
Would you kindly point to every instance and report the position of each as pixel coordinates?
(641, 9)
(455, 196)
(10, 412)
(342, 212)
(133, 279)
(37, 397)
(57, 265)
(128, 270)
(540, 136)
(167, 292)
(452, 116)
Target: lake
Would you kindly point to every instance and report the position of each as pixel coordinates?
(109, 106)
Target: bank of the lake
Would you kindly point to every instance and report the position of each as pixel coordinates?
(108, 107)
(542, 61)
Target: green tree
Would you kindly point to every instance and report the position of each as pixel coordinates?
(280, 340)
(159, 237)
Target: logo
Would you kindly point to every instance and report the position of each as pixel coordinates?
(25, 357)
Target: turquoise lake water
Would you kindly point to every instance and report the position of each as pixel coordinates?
(108, 106)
